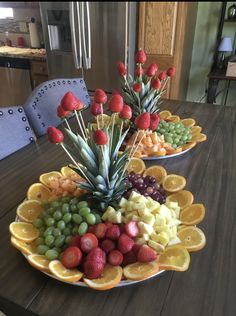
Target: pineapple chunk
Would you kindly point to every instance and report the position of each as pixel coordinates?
(149, 219)
(131, 214)
(140, 241)
(123, 202)
(109, 211)
(173, 222)
(115, 218)
(159, 220)
(134, 196)
(122, 210)
(174, 241)
(145, 228)
(145, 237)
(144, 211)
(172, 205)
(156, 246)
(130, 206)
(135, 218)
(162, 238)
(164, 211)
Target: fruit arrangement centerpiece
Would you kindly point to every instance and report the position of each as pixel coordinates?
(106, 218)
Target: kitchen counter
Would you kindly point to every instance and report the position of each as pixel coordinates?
(26, 53)
(206, 289)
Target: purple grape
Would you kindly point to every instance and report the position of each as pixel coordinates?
(150, 190)
(147, 179)
(139, 186)
(152, 180)
(146, 194)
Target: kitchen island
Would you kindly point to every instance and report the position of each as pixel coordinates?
(207, 288)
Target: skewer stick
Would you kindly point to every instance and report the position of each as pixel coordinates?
(67, 124)
(97, 122)
(113, 123)
(103, 154)
(81, 129)
(82, 120)
(77, 165)
(102, 115)
(162, 88)
(136, 137)
(144, 134)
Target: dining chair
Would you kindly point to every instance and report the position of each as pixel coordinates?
(41, 106)
(15, 130)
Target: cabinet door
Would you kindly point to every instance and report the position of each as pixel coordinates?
(161, 35)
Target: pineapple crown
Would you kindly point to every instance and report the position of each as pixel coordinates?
(143, 91)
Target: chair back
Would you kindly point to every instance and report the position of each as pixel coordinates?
(15, 130)
(41, 106)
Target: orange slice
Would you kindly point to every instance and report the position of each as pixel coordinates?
(196, 130)
(158, 172)
(174, 151)
(199, 138)
(192, 238)
(39, 262)
(188, 146)
(27, 249)
(174, 258)
(161, 152)
(67, 171)
(188, 122)
(66, 275)
(183, 198)
(38, 191)
(24, 231)
(164, 114)
(29, 210)
(46, 178)
(174, 183)
(140, 271)
(111, 276)
(136, 165)
(193, 214)
(173, 118)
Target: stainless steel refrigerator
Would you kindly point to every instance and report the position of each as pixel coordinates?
(87, 39)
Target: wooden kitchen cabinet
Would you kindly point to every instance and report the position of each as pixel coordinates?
(39, 72)
(166, 33)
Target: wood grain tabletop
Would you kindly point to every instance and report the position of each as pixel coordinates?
(207, 288)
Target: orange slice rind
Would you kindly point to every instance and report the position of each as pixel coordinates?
(172, 118)
(38, 191)
(164, 114)
(174, 258)
(46, 178)
(24, 231)
(188, 122)
(193, 214)
(66, 275)
(196, 130)
(174, 183)
(198, 138)
(67, 171)
(29, 210)
(192, 238)
(140, 271)
(183, 198)
(158, 172)
(39, 262)
(136, 165)
(111, 276)
(27, 249)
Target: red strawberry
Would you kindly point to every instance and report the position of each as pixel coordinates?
(116, 103)
(125, 243)
(136, 248)
(54, 135)
(155, 120)
(79, 106)
(171, 71)
(71, 257)
(121, 68)
(162, 76)
(143, 121)
(96, 109)
(140, 57)
(88, 242)
(146, 254)
(100, 230)
(115, 258)
(156, 84)
(129, 257)
(126, 112)
(108, 245)
(100, 96)
(108, 224)
(96, 254)
(139, 71)
(93, 269)
(69, 101)
(91, 229)
(151, 71)
(61, 112)
(75, 241)
(113, 232)
(137, 87)
(100, 137)
(116, 92)
(132, 229)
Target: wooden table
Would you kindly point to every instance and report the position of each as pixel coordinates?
(207, 288)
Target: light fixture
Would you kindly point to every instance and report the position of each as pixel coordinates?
(225, 46)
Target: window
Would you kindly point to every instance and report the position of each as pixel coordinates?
(6, 13)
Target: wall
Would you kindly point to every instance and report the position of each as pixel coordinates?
(16, 26)
(203, 49)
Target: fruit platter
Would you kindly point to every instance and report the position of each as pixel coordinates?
(105, 220)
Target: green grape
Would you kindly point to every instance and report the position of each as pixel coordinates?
(66, 231)
(73, 208)
(55, 204)
(61, 225)
(77, 218)
(56, 232)
(83, 227)
(82, 204)
(57, 215)
(48, 231)
(67, 217)
(39, 241)
(65, 208)
(38, 222)
(69, 225)
(74, 201)
(59, 241)
(90, 219)
(75, 229)
(66, 199)
(41, 249)
(51, 211)
(84, 211)
(50, 221)
(68, 239)
(45, 204)
(51, 254)
(49, 240)
(41, 231)
(98, 218)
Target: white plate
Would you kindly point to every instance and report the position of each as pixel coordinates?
(166, 156)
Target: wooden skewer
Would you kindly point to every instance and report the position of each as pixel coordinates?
(67, 124)
(81, 129)
(82, 120)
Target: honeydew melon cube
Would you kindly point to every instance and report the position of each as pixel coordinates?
(140, 241)
(156, 246)
(123, 202)
(174, 241)
(159, 220)
(143, 211)
(145, 228)
(109, 211)
(115, 218)
(161, 238)
(149, 219)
